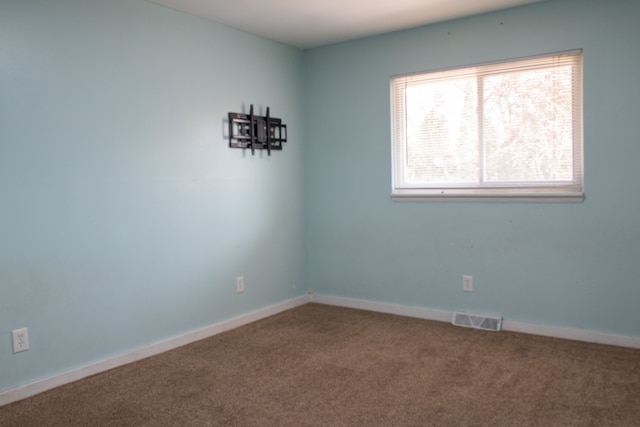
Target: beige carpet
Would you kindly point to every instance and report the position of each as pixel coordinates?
(319, 365)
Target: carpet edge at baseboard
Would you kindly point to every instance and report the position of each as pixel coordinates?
(512, 326)
(28, 390)
(25, 391)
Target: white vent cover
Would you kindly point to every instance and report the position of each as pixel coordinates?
(476, 321)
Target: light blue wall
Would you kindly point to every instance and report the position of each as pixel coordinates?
(575, 266)
(124, 216)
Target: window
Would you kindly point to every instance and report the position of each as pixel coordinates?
(504, 131)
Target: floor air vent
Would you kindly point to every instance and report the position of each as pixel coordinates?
(477, 321)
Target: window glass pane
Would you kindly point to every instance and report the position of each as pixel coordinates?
(442, 132)
(527, 126)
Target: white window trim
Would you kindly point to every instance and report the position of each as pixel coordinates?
(560, 193)
(473, 195)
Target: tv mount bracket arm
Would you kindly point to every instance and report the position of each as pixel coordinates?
(256, 132)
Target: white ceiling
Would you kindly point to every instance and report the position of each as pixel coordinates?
(312, 23)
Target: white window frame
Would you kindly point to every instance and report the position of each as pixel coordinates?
(550, 191)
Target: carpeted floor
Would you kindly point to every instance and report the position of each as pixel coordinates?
(318, 365)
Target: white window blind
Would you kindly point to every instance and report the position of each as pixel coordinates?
(509, 130)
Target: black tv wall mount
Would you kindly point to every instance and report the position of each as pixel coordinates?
(256, 132)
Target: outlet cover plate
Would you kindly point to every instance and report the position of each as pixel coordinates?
(20, 338)
(239, 284)
(467, 283)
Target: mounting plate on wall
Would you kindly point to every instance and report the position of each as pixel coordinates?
(256, 132)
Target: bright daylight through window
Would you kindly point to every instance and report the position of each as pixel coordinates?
(503, 131)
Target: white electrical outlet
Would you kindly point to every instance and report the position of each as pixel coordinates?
(239, 284)
(20, 340)
(467, 283)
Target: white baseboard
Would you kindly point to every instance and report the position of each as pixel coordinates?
(445, 316)
(572, 334)
(34, 388)
(401, 310)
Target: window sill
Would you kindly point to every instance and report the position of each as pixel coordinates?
(503, 196)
